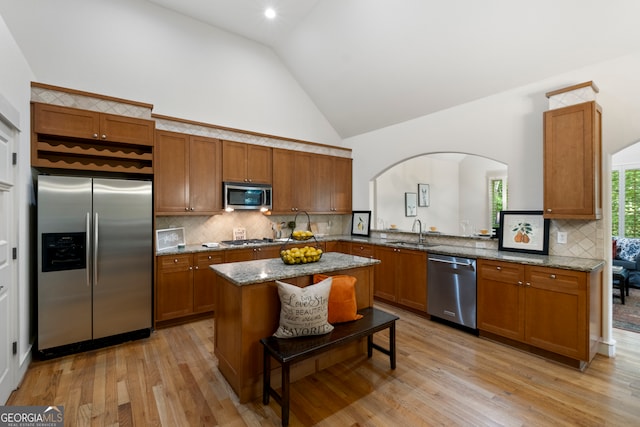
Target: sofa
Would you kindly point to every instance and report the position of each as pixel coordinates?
(626, 253)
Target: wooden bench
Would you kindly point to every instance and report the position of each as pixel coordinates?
(291, 350)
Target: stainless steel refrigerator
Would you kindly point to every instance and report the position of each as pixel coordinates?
(95, 259)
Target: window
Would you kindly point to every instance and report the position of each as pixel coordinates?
(625, 201)
(497, 197)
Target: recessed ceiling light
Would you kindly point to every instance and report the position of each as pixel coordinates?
(270, 13)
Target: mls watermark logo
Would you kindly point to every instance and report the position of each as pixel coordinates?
(31, 416)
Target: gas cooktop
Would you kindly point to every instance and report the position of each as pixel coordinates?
(245, 241)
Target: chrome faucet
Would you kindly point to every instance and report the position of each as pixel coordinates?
(413, 228)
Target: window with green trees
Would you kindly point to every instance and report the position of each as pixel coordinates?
(498, 200)
(625, 202)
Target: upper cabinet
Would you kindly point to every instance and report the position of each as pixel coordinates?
(292, 181)
(246, 163)
(573, 162)
(71, 138)
(332, 184)
(187, 174)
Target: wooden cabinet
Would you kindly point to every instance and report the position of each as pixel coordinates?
(187, 174)
(361, 249)
(332, 184)
(292, 181)
(204, 281)
(573, 162)
(185, 285)
(72, 138)
(337, 246)
(248, 254)
(246, 162)
(401, 277)
(548, 308)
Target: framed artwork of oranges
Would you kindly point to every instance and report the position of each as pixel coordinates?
(523, 231)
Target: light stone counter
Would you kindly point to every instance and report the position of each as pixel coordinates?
(266, 270)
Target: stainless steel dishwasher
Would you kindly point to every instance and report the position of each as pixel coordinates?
(451, 289)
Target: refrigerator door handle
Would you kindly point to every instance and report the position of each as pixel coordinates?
(87, 245)
(95, 251)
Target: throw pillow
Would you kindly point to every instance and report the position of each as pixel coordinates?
(303, 311)
(614, 249)
(343, 306)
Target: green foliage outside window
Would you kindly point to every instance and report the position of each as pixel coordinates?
(498, 198)
(615, 203)
(625, 204)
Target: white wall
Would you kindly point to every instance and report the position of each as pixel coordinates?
(15, 76)
(136, 50)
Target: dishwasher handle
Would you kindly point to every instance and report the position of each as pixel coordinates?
(444, 261)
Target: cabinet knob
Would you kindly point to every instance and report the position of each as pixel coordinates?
(186, 209)
(209, 257)
(498, 268)
(191, 209)
(104, 136)
(527, 284)
(196, 267)
(552, 276)
(175, 260)
(190, 268)
(549, 209)
(519, 282)
(95, 135)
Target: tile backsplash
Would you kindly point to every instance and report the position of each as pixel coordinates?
(199, 229)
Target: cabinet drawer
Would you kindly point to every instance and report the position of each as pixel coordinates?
(363, 250)
(500, 271)
(174, 262)
(556, 279)
(206, 259)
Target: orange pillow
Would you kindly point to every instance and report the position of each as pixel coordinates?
(343, 306)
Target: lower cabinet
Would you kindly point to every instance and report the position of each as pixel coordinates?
(548, 308)
(248, 254)
(185, 285)
(401, 277)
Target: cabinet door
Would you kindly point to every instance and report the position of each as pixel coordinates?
(174, 286)
(556, 311)
(572, 162)
(238, 255)
(205, 183)
(171, 172)
(411, 273)
(204, 281)
(385, 274)
(267, 252)
(322, 183)
(259, 163)
(234, 161)
(500, 301)
(129, 130)
(283, 181)
(65, 121)
(341, 194)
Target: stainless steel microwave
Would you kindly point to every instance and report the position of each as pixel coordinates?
(248, 196)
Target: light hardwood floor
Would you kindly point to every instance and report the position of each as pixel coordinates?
(443, 377)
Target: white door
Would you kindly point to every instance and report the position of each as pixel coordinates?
(7, 280)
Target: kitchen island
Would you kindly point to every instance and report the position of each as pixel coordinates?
(249, 309)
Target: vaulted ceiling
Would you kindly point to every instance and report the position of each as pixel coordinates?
(368, 64)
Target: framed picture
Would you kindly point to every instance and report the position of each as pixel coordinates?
(423, 194)
(169, 238)
(523, 231)
(410, 204)
(360, 223)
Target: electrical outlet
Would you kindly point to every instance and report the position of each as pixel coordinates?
(562, 237)
(383, 235)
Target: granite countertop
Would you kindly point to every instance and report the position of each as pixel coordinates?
(266, 270)
(569, 263)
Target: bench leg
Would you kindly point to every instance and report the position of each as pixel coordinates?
(369, 346)
(392, 345)
(285, 395)
(266, 376)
